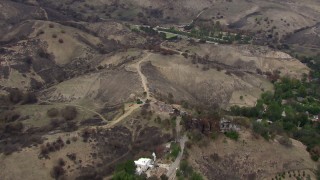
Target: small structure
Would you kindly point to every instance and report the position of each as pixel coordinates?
(143, 164)
(267, 121)
(315, 118)
(284, 114)
(227, 125)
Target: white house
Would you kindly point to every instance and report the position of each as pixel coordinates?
(143, 164)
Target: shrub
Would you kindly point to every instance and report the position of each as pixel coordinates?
(9, 149)
(60, 41)
(51, 26)
(9, 116)
(43, 54)
(28, 60)
(61, 162)
(74, 138)
(54, 36)
(44, 151)
(164, 177)
(68, 141)
(232, 135)
(261, 129)
(56, 122)
(196, 176)
(175, 149)
(57, 172)
(29, 98)
(53, 112)
(40, 32)
(69, 113)
(285, 141)
(15, 96)
(72, 156)
(13, 128)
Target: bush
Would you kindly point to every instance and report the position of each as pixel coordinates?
(9, 116)
(175, 149)
(15, 96)
(53, 112)
(185, 169)
(40, 32)
(72, 156)
(232, 135)
(56, 122)
(29, 98)
(69, 113)
(43, 54)
(285, 141)
(57, 172)
(54, 36)
(164, 177)
(261, 129)
(44, 151)
(13, 128)
(60, 41)
(51, 26)
(196, 176)
(61, 162)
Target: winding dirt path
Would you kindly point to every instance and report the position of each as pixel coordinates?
(8, 64)
(170, 49)
(78, 106)
(132, 108)
(90, 110)
(142, 76)
(123, 116)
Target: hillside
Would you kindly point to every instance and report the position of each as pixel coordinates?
(88, 86)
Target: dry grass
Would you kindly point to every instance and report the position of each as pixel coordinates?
(71, 47)
(250, 155)
(21, 164)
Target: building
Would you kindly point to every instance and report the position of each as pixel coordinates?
(227, 125)
(143, 164)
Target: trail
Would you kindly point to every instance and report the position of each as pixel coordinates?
(198, 15)
(171, 174)
(122, 117)
(142, 76)
(167, 48)
(45, 13)
(81, 107)
(8, 64)
(132, 108)
(90, 110)
(135, 106)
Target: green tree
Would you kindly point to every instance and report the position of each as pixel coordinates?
(274, 111)
(196, 176)
(125, 171)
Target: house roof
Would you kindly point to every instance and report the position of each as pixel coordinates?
(143, 161)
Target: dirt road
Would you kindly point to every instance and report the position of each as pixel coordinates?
(123, 116)
(144, 81)
(175, 165)
(142, 76)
